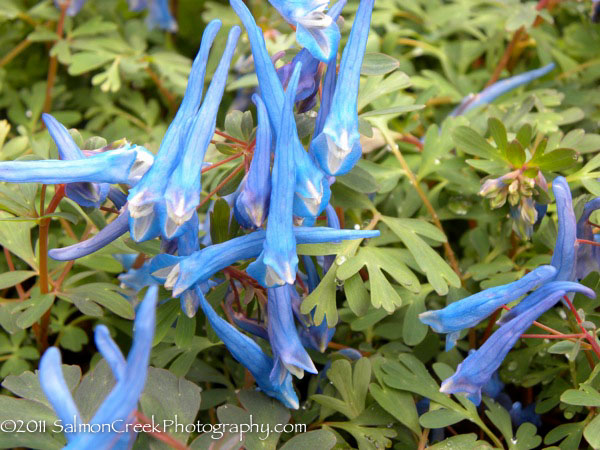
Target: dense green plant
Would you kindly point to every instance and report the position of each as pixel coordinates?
(462, 202)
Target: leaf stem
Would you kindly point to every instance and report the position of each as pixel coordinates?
(20, 47)
(436, 220)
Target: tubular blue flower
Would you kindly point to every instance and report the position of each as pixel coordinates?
(182, 193)
(180, 273)
(159, 15)
(471, 310)
(283, 335)
(279, 254)
(329, 83)
(477, 369)
(588, 256)
(252, 201)
(337, 147)
(124, 165)
(315, 30)
(85, 194)
(312, 188)
(146, 202)
(309, 76)
(566, 242)
(249, 354)
(119, 406)
(105, 236)
(73, 8)
(491, 93)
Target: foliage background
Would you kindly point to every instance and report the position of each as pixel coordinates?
(440, 240)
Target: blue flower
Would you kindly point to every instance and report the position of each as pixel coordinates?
(471, 310)
(125, 165)
(146, 202)
(250, 355)
(309, 76)
(85, 194)
(252, 200)
(490, 93)
(105, 236)
(566, 246)
(180, 273)
(158, 13)
(283, 335)
(182, 193)
(337, 147)
(119, 406)
(73, 8)
(312, 187)
(315, 30)
(279, 253)
(477, 369)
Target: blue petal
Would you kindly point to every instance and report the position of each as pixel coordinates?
(564, 251)
(279, 254)
(283, 335)
(110, 351)
(202, 265)
(338, 147)
(105, 236)
(252, 201)
(182, 194)
(477, 369)
(494, 91)
(469, 311)
(118, 407)
(145, 199)
(55, 388)
(321, 42)
(160, 16)
(114, 167)
(249, 354)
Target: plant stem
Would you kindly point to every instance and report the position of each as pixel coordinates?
(169, 97)
(53, 67)
(41, 329)
(11, 267)
(436, 220)
(591, 339)
(220, 163)
(15, 52)
(221, 184)
(231, 138)
(161, 435)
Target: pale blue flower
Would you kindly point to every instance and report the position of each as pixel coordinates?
(119, 406)
(337, 148)
(315, 30)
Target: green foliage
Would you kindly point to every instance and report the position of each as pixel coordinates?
(482, 173)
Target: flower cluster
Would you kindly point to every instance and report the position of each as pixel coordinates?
(571, 261)
(282, 196)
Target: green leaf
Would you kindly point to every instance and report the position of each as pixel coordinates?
(323, 299)
(440, 418)
(559, 159)
(105, 294)
(378, 64)
(376, 260)
(33, 309)
(167, 397)
(499, 417)
(413, 330)
(17, 239)
(360, 180)
(317, 439)
(586, 395)
(83, 62)
(524, 135)
(357, 295)
(11, 278)
(469, 141)
(515, 154)
(438, 272)
(399, 404)
(498, 132)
